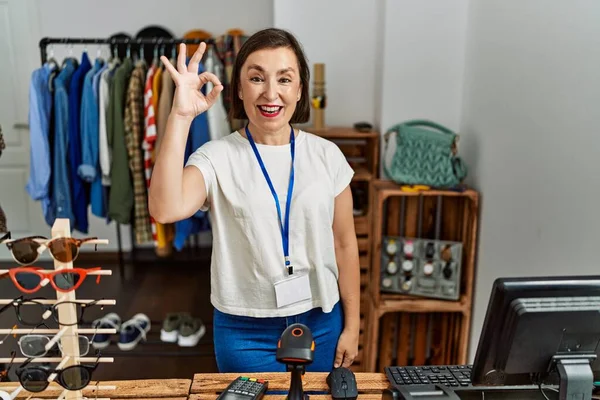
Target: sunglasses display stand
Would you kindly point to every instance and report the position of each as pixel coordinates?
(66, 334)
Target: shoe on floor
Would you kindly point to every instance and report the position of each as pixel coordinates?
(133, 331)
(191, 331)
(109, 321)
(170, 328)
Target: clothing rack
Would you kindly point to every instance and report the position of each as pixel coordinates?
(158, 41)
(132, 44)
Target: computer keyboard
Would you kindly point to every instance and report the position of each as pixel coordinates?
(453, 376)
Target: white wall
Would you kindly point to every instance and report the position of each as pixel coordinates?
(423, 61)
(386, 61)
(93, 18)
(343, 35)
(531, 138)
(87, 18)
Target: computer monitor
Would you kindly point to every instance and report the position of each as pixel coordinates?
(541, 330)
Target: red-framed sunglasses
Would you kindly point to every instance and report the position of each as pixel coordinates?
(27, 250)
(31, 279)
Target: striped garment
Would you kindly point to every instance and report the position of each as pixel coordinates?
(149, 139)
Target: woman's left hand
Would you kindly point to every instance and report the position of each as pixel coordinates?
(347, 348)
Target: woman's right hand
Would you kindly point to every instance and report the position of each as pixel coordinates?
(188, 100)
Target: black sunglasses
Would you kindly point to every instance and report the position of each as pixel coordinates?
(34, 315)
(4, 374)
(74, 377)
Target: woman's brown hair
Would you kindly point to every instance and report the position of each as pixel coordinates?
(271, 38)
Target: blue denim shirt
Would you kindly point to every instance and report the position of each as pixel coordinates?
(61, 191)
(40, 107)
(78, 190)
(198, 135)
(98, 191)
(88, 170)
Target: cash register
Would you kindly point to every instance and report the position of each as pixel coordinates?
(540, 336)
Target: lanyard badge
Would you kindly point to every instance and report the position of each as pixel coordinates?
(283, 225)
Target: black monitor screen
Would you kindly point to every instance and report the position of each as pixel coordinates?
(532, 322)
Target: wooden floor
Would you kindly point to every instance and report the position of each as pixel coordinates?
(150, 288)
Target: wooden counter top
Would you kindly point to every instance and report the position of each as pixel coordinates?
(207, 386)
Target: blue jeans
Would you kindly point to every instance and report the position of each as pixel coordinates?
(246, 344)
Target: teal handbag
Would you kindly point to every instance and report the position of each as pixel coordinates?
(425, 155)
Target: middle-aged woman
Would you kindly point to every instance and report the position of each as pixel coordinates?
(284, 245)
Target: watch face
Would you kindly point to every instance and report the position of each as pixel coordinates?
(407, 265)
(392, 247)
(409, 248)
(392, 267)
(428, 269)
(406, 285)
(387, 282)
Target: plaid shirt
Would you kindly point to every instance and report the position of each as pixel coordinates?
(227, 47)
(134, 134)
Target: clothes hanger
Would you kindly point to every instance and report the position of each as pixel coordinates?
(141, 59)
(99, 58)
(70, 57)
(51, 60)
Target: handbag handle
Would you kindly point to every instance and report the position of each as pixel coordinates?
(431, 124)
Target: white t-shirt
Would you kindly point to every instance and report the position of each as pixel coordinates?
(247, 253)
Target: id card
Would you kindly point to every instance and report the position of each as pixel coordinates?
(292, 289)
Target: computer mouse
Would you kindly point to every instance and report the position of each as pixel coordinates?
(342, 384)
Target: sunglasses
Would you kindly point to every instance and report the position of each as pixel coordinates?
(27, 250)
(35, 345)
(35, 379)
(4, 374)
(31, 279)
(34, 314)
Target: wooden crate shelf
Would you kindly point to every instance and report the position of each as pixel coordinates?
(420, 338)
(388, 313)
(361, 225)
(361, 174)
(362, 152)
(390, 303)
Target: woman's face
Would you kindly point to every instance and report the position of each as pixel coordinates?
(270, 88)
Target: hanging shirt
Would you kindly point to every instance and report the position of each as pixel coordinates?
(78, 188)
(87, 170)
(149, 137)
(97, 191)
(104, 150)
(61, 191)
(40, 108)
(218, 124)
(120, 202)
(134, 134)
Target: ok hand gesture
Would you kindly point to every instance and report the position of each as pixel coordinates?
(188, 100)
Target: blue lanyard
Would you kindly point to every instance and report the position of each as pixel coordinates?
(285, 228)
